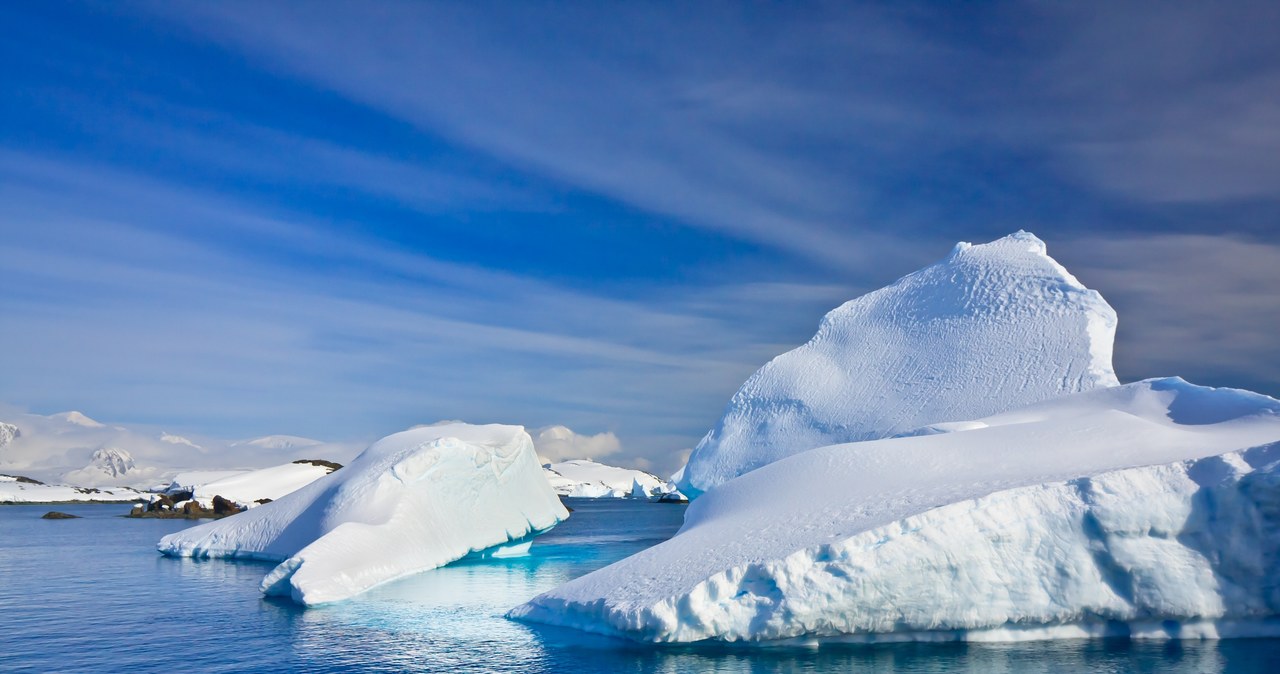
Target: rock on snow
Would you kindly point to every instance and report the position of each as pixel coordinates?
(412, 501)
(989, 328)
(1147, 509)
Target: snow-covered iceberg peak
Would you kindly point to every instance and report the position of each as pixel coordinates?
(990, 328)
(411, 502)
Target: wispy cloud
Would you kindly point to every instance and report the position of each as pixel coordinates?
(1175, 105)
(669, 123)
(175, 323)
(1197, 306)
(279, 267)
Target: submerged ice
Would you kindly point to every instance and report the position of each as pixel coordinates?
(411, 502)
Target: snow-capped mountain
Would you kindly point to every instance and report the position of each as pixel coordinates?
(278, 442)
(988, 328)
(74, 449)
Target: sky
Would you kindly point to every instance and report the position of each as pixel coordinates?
(339, 220)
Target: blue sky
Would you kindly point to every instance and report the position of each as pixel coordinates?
(341, 219)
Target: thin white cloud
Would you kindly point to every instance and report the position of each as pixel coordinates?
(681, 130)
(176, 322)
(1202, 307)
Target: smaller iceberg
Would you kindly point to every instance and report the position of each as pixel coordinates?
(411, 502)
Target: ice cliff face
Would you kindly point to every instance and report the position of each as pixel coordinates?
(411, 502)
(989, 328)
(1149, 509)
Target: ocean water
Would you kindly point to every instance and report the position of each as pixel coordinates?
(92, 595)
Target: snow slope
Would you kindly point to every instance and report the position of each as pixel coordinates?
(272, 483)
(583, 478)
(71, 447)
(16, 489)
(989, 328)
(412, 501)
(1150, 509)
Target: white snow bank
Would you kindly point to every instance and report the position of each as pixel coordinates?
(1151, 509)
(582, 478)
(189, 480)
(71, 448)
(989, 328)
(412, 501)
(268, 483)
(14, 489)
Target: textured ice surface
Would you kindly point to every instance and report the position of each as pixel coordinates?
(411, 502)
(1150, 509)
(989, 328)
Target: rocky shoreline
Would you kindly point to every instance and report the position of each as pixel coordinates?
(182, 505)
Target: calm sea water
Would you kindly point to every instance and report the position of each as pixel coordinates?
(92, 595)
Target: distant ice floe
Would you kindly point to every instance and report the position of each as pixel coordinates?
(583, 478)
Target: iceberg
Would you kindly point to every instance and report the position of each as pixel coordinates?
(1149, 509)
(411, 502)
(583, 478)
(990, 328)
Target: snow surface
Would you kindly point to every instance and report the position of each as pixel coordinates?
(278, 442)
(249, 487)
(245, 487)
(1149, 509)
(582, 478)
(411, 502)
(989, 328)
(12, 490)
(190, 480)
(72, 448)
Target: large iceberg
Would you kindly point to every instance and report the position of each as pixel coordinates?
(1149, 509)
(989, 328)
(411, 502)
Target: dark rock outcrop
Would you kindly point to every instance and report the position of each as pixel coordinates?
(22, 478)
(166, 506)
(331, 465)
(55, 515)
(223, 507)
